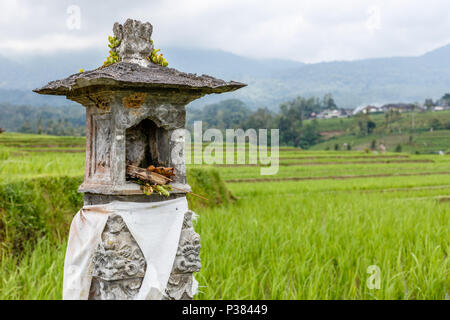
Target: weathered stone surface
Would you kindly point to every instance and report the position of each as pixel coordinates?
(187, 261)
(136, 146)
(140, 136)
(118, 263)
(93, 199)
(134, 100)
(133, 76)
(179, 287)
(114, 290)
(135, 45)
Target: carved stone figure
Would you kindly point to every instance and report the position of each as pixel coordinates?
(135, 45)
(187, 261)
(118, 263)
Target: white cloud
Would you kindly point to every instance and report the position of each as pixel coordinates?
(13, 9)
(309, 31)
(48, 43)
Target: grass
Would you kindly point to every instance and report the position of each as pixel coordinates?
(36, 276)
(319, 246)
(310, 239)
(22, 140)
(37, 208)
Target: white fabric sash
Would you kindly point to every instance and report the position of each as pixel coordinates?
(156, 227)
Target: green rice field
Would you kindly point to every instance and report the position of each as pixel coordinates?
(309, 232)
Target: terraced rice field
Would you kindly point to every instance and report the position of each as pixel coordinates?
(309, 232)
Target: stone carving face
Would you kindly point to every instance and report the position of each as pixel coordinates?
(114, 225)
(187, 259)
(188, 253)
(118, 263)
(135, 45)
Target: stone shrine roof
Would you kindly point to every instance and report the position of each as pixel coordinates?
(135, 76)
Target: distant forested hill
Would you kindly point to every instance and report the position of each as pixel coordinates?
(55, 120)
(352, 83)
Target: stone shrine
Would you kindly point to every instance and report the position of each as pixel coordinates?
(134, 112)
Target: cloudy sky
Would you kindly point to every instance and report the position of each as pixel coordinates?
(302, 30)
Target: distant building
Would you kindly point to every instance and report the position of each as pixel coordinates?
(396, 107)
(400, 107)
(330, 114)
(368, 109)
(440, 108)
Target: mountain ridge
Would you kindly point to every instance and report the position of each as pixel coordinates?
(270, 81)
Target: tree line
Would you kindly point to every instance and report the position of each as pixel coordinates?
(227, 114)
(65, 120)
(289, 119)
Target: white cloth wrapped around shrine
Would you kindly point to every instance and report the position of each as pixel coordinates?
(156, 228)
